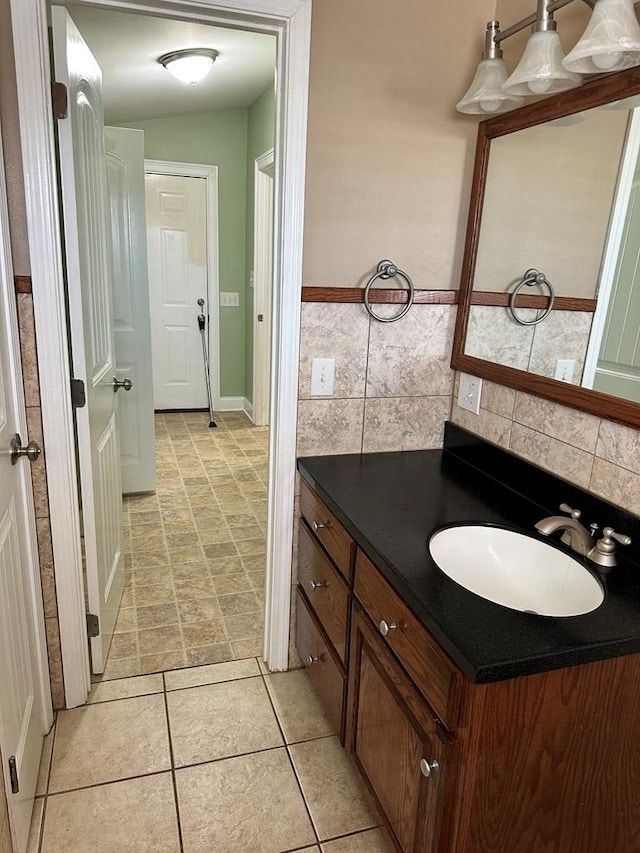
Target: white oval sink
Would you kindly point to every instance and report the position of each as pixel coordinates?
(515, 570)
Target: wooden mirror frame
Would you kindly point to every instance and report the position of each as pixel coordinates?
(612, 87)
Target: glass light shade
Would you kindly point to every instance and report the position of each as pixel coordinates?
(610, 42)
(540, 71)
(486, 95)
(189, 66)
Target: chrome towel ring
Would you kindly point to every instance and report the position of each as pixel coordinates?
(531, 278)
(387, 269)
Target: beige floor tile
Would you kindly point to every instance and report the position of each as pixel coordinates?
(164, 660)
(124, 645)
(250, 546)
(45, 764)
(136, 816)
(213, 674)
(244, 794)
(199, 610)
(371, 841)
(125, 688)
(156, 615)
(214, 653)
(121, 668)
(109, 741)
(337, 802)
(35, 830)
(203, 633)
(153, 641)
(126, 620)
(221, 720)
(242, 627)
(247, 648)
(299, 712)
(225, 566)
(191, 588)
(238, 603)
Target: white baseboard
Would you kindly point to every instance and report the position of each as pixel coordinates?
(247, 407)
(231, 404)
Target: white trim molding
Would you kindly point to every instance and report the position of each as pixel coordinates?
(210, 175)
(263, 169)
(290, 22)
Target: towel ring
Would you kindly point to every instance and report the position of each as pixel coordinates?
(531, 278)
(387, 269)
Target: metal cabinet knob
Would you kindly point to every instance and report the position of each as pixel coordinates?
(317, 525)
(127, 384)
(311, 659)
(428, 767)
(32, 451)
(385, 627)
(318, 584)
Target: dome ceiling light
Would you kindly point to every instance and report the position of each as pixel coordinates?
(191, 65)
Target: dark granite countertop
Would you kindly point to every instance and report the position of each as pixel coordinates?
(391, 503)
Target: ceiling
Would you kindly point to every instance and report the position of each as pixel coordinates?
(136, 86)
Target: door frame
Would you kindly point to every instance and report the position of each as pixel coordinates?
(210, 175)
(290, 22)
(264, 166)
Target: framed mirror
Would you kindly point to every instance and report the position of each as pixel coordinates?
(555, 209)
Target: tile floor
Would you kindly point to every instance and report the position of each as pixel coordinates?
(195, 549)
(221, 758)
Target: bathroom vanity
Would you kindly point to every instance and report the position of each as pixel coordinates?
(476, 728)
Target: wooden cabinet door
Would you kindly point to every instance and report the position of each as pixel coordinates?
(391, 731)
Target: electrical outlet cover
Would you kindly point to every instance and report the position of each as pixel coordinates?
(469, 393)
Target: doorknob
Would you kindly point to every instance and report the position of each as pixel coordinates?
(127, 384)
(31, 451)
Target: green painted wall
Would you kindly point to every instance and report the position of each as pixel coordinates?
(218, 139)
(260, 138)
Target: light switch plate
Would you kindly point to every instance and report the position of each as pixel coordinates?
(469, 393)
(323, 371)
(564, 369)
(229, 300)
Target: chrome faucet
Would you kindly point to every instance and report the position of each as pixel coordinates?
(602, 551)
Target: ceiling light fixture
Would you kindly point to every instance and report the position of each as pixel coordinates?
(191, 65)
(610, 42)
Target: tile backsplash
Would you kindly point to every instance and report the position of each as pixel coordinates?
(393, 381)
(595, 454)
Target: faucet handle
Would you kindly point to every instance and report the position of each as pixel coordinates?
(609, 533)
(574, 513)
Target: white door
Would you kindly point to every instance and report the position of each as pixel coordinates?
(21, 718)
(178, 277)
(263, 283)
(125, 183)
(88, 254)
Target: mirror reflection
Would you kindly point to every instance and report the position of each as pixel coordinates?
(562, 198)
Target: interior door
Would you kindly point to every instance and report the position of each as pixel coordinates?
(21, 722)
(125, 184)
(88, 255)
(178, 277)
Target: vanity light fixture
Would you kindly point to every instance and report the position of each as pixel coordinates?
(610, 42)
(191, 65)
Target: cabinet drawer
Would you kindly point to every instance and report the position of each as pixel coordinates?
(325, 675)
(435, 675)
(329, 531)
(327, 592)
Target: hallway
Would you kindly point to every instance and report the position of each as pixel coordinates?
(216, 759)
(195, 550)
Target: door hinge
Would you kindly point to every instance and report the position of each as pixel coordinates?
(60, 100)
(93, 625)
(13, 775)
(78, 396)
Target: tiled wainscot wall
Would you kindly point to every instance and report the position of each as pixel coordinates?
(595, 454)
(393, 384)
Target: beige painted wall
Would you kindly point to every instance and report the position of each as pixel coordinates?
(389, 159)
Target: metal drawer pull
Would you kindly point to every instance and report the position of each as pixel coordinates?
(428, 767)
(311, 659)
(318, 584)
(317, 525)
(385, 627)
